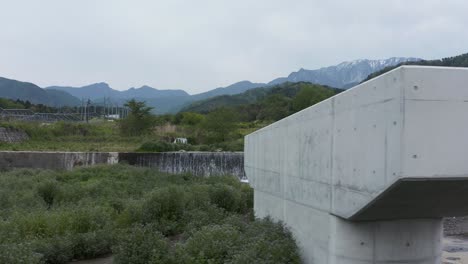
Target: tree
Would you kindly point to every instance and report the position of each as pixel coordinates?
(310, 95)
(220, 124)
(139, 121)
(191, 119)
(274, 107)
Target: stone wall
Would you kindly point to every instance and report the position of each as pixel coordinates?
(12, 135)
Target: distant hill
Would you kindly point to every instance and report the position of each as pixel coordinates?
(13, 89)
(256, 95)
(101, 90)
(164, 101)
(344, 75)
(235, 88)
(456, 61)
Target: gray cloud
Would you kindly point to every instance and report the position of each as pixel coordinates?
(199, 45)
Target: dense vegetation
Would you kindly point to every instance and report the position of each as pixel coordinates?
(456, 61)
(19, 104)
(138, 215)
(260, 99)
(62, 136)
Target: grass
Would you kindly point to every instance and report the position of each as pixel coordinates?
(104, 136)
(61, 136)
(137, 214)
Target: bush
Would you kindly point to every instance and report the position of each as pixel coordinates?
(165, 207)
(127, 211)
(92, 244)
(56, 250)
(226, 197)
(48, 191)
(267, 242)
(141, 245)
(19, 254)
(213, 244)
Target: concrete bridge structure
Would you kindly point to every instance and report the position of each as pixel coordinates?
(366, 176)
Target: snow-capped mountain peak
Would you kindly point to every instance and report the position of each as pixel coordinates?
(345, 74)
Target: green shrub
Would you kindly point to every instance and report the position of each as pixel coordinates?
(56, 250)
(48, 191)
(19, 254)
(267, 242)
(213, 244)
(209, 220)
(92, 244)
(226, 197)
(165, 207)
(141, 245)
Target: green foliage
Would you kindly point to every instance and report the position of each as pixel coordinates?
(191, 119)
(310, 95)
(139, 121)
(165, 207)
(141, 245)
(213, 244)
(220, 124)
(274, 107)
(226, 197)
(267, 242)
(132, 213)
(47, 191)
(10, 104)
(19, 254)
(267, 103)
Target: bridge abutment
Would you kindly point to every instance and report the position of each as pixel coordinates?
(366, 176)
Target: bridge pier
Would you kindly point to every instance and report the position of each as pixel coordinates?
(325, 238)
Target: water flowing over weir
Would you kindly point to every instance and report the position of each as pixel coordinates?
(197, 163)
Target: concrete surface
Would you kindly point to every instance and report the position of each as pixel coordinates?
(197, 163)
(382, 151)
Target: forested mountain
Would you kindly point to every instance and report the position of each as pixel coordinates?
(12, 89)
(270, 103)
(456, 61)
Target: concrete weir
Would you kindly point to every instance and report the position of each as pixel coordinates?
(366, 176)
(197, 163)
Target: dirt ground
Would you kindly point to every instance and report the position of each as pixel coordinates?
(455, 250)
(104, 260)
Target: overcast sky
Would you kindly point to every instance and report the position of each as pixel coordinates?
(197, 45)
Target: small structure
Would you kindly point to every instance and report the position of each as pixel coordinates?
(180, 141)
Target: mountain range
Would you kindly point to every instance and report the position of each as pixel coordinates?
(343, 75)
